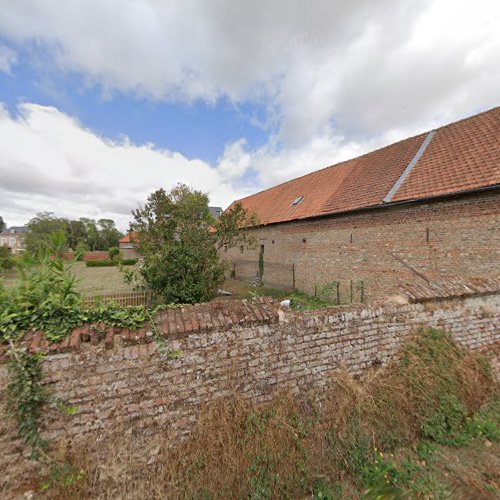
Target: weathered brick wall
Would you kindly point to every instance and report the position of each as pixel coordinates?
(441, 240)
(126, 382)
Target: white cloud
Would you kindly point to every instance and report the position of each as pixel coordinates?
(7, 59)
(338, 78)
(48, 161)
(362, 65)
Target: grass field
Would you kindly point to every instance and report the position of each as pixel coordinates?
(99, 280)
(105, 280)
(91, 280)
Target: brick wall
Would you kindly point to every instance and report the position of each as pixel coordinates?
(439, 240)
(125, 381)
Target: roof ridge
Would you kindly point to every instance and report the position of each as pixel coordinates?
(367, 153)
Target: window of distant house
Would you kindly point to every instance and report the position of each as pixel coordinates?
(297, 201)
(241, 249)
(12, 241)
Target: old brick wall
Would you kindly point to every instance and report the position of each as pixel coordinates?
(128, 382)
(440, 240)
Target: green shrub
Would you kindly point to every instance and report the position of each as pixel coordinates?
(46, 298)
(6, 260)
(114, 253)
(110, 263)
(129, 262)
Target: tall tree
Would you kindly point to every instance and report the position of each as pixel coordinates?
(3, 225)
(40, 229)
(108, 234)
(179, 240)
(78, 234)
(92, 233)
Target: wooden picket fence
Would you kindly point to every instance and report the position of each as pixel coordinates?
(123, 299)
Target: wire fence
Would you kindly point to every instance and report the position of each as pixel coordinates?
(144, 298)
(283, 276)
(274, 275)
(341, 291)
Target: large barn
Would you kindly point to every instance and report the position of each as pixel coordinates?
(425, 208)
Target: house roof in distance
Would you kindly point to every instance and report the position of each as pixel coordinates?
(215, 211)
(459, 157)
(128, 238)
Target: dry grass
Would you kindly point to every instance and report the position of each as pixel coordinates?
(91, 280)
(293, 446)
(99, 280)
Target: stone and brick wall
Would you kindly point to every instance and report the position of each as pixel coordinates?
(124, 381)
(384, 248)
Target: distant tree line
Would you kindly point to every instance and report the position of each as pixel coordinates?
(80, 235)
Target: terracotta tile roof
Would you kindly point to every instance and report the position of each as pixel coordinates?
(128, 238)
(461, 156)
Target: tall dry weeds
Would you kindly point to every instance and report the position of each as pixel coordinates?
(282, 449)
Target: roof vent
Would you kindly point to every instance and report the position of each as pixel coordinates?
(297, 200)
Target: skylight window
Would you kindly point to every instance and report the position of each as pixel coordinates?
(297, 200)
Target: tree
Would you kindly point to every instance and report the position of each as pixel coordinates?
(40, 229)
(180, 241)
(108, 234)
(3, 225)
(75, 233)
(92, 233)
(81, 234)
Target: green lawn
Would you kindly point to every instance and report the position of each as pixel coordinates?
(99, 280)
(91, 280)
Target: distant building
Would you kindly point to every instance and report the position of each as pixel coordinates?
(126, 245)
(13, 238)
(215, 211)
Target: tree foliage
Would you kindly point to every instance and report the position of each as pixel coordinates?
(180, 242)
(3, 225)
(6, 259)
(80, 235)
(45, 298)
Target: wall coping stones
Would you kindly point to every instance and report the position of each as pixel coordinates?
(179, 322)
(173, 323)
(450, 289)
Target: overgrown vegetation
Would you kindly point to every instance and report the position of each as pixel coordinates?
(111, 263)
(46, 298)
(180, 242)
(385, 436)
(6, 259)
(26, 397)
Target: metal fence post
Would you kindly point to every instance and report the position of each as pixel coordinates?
(350, 282)
(338, 293)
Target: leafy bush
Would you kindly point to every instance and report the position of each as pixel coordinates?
(6, 259)
(180, 242)
(46, 299)
(128, 262)
(110, 263)
(114, 253)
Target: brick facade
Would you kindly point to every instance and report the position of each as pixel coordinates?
(125, 381)
(439, 240)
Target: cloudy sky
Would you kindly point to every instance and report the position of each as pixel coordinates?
(104, 101)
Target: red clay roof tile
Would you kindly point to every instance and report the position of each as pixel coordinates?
(461, 156)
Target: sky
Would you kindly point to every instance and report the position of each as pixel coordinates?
(103, 102)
